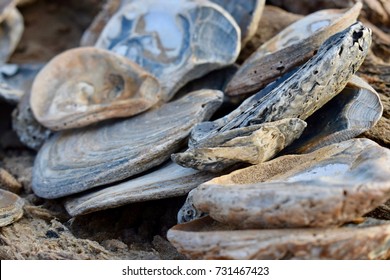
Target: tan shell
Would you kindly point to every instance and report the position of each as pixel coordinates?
(11, 208)
(290, 48)
(330, 186)
(207, 239)
(87, 85)
(11, 30)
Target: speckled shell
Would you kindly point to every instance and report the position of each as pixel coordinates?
(78, 160)
(177, 41)
(11, 30)
(246, 13)
(290, 48)
(302, 92)
(207, 239)
(87, 85)
(169, 180)
(353, 111)
(11, 208)
(331, 186)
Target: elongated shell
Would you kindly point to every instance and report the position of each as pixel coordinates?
(78, 160)
(87, 85)
(356, 109)
(290, 48)
(177, 41)
(330, 186)
(207, 239)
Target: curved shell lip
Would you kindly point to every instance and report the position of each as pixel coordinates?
(11, 209)
(41, 101)
(5, 7)
(239, 85)
(190, 66)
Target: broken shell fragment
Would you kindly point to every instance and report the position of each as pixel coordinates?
(350, 113)
(86, 85)
(330, 186)
(177, 41)
(74, 161)
(208, 239)
(11, 208)
(170, 180)
(290, 48)
(302, 92)
(254, 144)
(246, 13)
(11, 30)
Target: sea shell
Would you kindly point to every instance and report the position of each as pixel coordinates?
(169, 180)
(177, 41)
(11, 208)
(6, 7)
(254, 144)
(350, 113)
(207, 239)
(246, 13)
(74, 161)
(16, 80)
(290, 48)
(301, 93)
(327, 187)
(11, 30)
(87, 85)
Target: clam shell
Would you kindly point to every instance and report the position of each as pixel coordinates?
(11, 30)
(246, 13)
(74, 161)
(329, 186)
(169, 180)
(11, 208)
(87, 85)
(16, 80)
(207, 239)
(177, 41)
(350, 113)
(300, 93)
(290, 48)
(254, 144)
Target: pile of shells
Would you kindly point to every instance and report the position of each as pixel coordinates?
(129, 116)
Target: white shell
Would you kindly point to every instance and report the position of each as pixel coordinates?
(177, 41)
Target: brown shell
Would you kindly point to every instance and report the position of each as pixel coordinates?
(87, 85)
(11, 208)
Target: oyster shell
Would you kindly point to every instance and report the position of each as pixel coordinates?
(207, 239)
(87, 85)
(327, 187)
(356, 109)
(301, 93)
(254, 144)
(11, 30)
(290, 48)
(246, 13)
(177, 41)
(11, 208)
(74, 161)
(169, 180)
